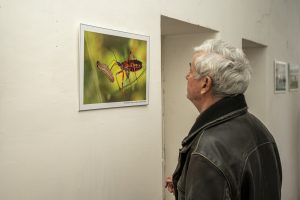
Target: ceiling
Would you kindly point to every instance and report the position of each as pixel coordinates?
(250, 44)
(171, 26)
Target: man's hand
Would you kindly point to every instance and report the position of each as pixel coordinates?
(169, 184)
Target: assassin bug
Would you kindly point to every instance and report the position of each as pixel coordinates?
(130, 65)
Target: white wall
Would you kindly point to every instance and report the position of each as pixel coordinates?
(275, 23)
(283, 115)
(256, 93)
(49, 150)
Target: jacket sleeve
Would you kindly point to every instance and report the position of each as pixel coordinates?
(205, 181)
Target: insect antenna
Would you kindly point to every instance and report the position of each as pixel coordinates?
(114, 55)
(115, 59)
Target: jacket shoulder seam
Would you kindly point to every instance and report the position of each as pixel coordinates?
(249, 153)
(229, 185)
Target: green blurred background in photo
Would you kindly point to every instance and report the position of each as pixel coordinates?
(108, 50)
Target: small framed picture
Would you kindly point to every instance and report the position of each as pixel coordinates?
(113, 69)
(293, 77)
(281, 76)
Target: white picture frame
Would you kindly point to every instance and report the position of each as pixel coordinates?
(280, 77)
(113, 68)
(293, 77)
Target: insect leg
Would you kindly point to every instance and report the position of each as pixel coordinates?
(128, 75)
(134, 69)
(112, 64)
(122, 80)
(122, 87)
(117, 78)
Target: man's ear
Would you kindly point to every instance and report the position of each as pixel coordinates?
(206, 84)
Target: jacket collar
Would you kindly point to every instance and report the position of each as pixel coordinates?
(224, 109)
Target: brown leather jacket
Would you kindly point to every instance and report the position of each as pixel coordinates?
(228, 154)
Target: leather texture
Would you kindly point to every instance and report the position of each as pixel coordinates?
(228, 154)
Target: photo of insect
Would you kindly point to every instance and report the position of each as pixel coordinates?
(128, 66)
(114, 68)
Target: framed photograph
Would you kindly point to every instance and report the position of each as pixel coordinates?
(114, 68)
(281, 76)
(293, 77)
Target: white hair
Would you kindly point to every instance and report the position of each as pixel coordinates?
(226, 65)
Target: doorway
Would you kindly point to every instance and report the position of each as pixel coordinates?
(177, 41)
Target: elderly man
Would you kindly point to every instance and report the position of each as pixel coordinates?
(228, 153)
